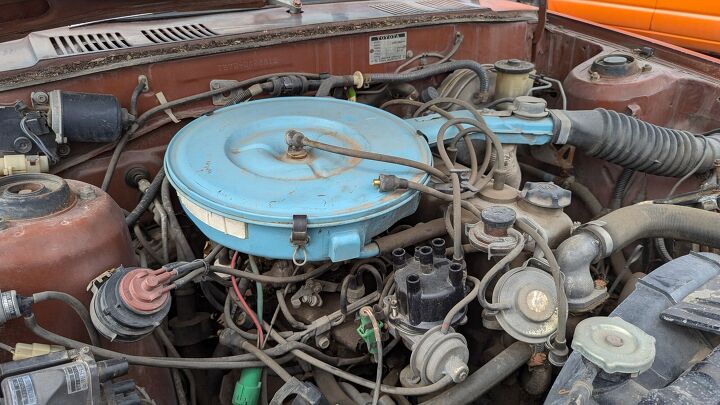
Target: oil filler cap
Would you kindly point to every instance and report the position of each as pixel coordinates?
(614, 345)
(546, 195)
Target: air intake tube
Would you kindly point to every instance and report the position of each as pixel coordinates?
(600, 238)
(635, 144)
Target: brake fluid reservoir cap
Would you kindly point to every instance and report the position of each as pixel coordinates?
(614, 345)
(242, 185)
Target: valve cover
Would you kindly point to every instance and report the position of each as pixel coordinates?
(241, 187)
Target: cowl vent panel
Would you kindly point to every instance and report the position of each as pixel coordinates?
(178, 33)
(84, 43)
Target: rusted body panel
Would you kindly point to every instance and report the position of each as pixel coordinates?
(63, 252)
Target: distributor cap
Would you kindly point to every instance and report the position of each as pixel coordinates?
(615, 345)
(546, 195)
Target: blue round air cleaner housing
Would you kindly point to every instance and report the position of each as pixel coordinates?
(241, 186)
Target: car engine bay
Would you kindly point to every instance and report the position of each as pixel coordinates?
(425, 210)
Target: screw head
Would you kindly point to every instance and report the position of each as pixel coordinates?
(22, 144)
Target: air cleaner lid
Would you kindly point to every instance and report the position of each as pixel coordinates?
(235, 162)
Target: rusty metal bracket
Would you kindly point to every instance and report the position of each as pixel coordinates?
(223, 98)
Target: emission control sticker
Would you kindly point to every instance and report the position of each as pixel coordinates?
(76, 378)
(22, 391)
(388, 48)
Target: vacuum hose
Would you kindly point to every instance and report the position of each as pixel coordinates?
(635, 144)
(609, 234)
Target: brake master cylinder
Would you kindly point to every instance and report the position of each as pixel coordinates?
(251, 188)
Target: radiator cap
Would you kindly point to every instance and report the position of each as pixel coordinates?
(614, 345)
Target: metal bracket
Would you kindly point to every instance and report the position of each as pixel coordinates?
(299, 238)
(223, 98)
(293, 6)
(299, 235)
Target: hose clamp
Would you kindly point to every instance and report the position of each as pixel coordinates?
(596, 228)
(565, 126)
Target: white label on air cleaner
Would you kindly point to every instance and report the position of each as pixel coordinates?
(22, 391)
(225, 225)
(76, 378)
(388, 48)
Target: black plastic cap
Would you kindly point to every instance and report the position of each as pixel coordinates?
(514, 66)
(498, 217)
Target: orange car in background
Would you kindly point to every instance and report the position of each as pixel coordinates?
(693, 24)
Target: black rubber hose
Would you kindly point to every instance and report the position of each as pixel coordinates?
(624, 226)
(432, 70)
(135, 95)
(358, 279)
(661, 220)
(486, 377)
(330, 388)
(621, 188)
(327, 85)
(147, 198)
(419, 232)
(636, 144)
(76, 306)
(390, 78)
(243, 94)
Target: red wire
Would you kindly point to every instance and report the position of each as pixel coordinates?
(244, 304)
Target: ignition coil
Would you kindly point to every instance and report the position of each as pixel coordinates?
(66, 377)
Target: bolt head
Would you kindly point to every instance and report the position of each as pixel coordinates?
(87, 193)
(323, 342)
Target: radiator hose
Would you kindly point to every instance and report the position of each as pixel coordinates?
(635, 144)
(600, 238)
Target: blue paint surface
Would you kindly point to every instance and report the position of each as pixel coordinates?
(234, 163)
(510, 130)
